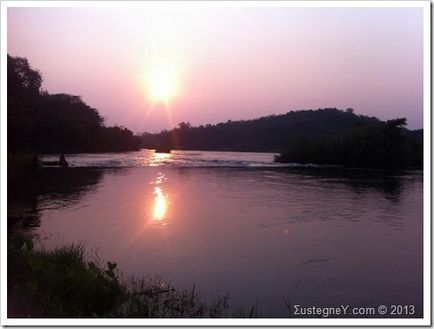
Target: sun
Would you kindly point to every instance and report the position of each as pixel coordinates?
(162, 84)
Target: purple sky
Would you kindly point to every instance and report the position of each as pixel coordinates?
(229, 63)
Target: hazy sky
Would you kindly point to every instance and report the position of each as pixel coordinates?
(226, 63)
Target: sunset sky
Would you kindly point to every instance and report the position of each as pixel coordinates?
(150, 68)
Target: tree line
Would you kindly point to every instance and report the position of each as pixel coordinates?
(270, 133)
(386, 145)
(40, 122)
(323, 136)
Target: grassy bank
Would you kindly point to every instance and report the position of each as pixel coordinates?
(64, 282)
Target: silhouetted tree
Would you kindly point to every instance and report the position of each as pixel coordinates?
(388, 145)
(55, 123)
(22, 79)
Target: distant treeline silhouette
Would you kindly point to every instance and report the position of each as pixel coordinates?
(385, 145)
(60, 123)
(270, 133)
(323, 136)
(40, 122)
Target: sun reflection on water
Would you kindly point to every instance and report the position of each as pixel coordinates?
(160, 199)
(160, 204)
(159, 159)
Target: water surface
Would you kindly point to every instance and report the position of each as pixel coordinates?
(237, 224)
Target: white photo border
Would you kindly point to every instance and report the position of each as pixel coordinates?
(427, 245)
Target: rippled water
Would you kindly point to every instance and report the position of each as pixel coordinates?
(146, 158)
(233, 223)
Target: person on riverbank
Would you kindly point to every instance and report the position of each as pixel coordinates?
(36, 163)
(62, 161)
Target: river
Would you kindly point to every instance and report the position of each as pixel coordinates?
(237, 224)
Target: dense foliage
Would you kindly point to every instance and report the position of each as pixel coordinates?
(55, 123)
(271, 133)
(386, 145)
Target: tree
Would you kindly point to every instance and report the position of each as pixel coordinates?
(55, 123)
(388, 145)
(21, 78)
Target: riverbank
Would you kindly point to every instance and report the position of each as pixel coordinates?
(68, 282)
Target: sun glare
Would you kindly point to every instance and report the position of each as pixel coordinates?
(162, 84)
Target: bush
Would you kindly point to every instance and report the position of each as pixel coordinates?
(63, 283)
